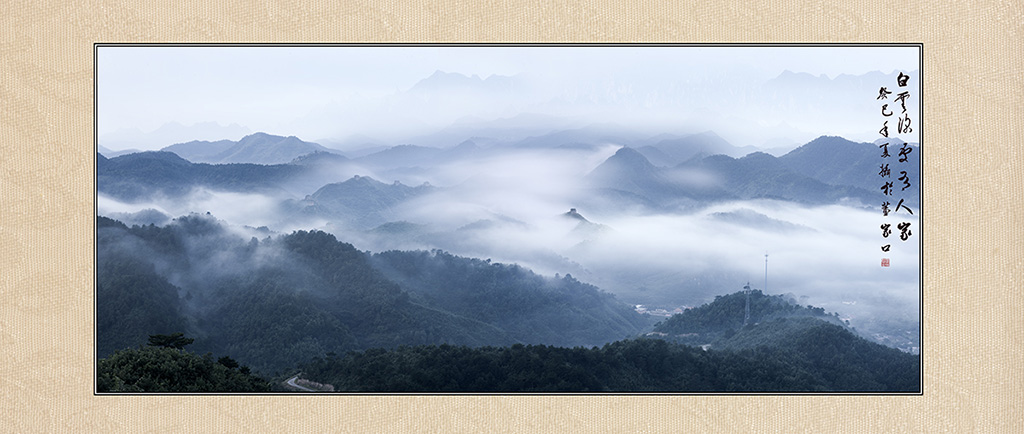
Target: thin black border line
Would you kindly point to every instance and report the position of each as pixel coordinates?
(95, 221)
(921, 257)
(920, 217)
(920, 209)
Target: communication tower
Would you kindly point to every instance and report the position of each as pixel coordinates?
(746, 314)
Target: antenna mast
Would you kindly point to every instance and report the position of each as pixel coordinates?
(746, 315)
(766, 272)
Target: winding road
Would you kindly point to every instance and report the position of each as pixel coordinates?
(291, 383)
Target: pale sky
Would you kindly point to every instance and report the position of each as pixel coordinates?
(280, 89)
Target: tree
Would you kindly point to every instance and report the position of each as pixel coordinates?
(173, 340)
(228, 362)
(169, 370)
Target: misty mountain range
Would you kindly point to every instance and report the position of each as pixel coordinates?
(772, 113)
(275, 298)
(167, 134)
(276, 302)
(259, 148)
(361, 201)
(509, 200)
(291, 300)
(825, 170)
(145, 174)
(457, 232)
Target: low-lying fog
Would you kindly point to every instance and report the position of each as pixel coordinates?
(512, 207)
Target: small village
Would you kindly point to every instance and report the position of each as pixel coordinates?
(658, 311)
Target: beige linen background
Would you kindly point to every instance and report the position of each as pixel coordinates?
(973, 259)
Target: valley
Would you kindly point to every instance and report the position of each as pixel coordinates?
(552, 240)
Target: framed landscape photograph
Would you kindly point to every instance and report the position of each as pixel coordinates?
(508, 219)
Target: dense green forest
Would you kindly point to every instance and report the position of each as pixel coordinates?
(531, 308)
(814, 361)
(165, 367)
(784, 348)
(716, 321)
(278, 301)
(435, 322)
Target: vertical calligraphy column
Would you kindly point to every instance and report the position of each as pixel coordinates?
(903, 126)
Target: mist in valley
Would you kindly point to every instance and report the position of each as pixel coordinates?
(657, 177)
(513, 206)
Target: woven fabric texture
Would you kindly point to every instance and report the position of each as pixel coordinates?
(973, 255)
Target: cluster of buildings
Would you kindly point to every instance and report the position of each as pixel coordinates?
(644, 310)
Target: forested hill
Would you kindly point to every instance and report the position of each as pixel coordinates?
(530, 308)
(727, 312)
(268, 303)
(147, 174)
(784, 348)
(816, 362)
(273, 302)
(433, 322)
(174, 370)
(805, 335)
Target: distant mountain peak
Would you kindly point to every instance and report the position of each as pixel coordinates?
(709, 134)
(828, 139)
(573, 214)
(758, 156)
(439, 73)
(154, 155)
(257, 148)
(261, 136)
(630, 156)
(467, 144)
(675, 150)
(441, 80)
(627, 162)
(318, 156)
(171, 133)
(363, 179)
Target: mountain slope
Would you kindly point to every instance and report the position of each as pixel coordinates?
(258, 148)
(837, 161)
(200, 151)
(750, 218)
(672, 151)
(270, 304)
(360, 202)
(834, 354)
(581, 138)
(530, 308)
(137, 300)
(401, 156)
(762, 176)
(711, 321)
(628, 175)
(807, 336)
(276, 302)
(822, 358)
(149, 174)
(823, 171)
